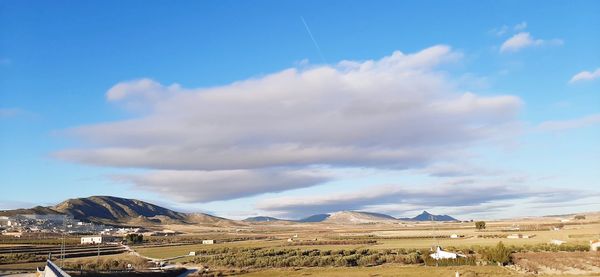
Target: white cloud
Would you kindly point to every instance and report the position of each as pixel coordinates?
(499, 31)
(524, 40)
(521, 26)
(141, 94)
(204, 186)
(561, 125)
(397, 112)
(585, 76)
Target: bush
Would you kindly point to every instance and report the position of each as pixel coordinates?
(480, 225)
(134, 238)
(499, 254)
(107, 264)
(20, 258)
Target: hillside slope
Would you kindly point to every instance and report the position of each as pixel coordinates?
(354, 217)
(121, 211)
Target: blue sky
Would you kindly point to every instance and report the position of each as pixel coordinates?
(525, 74)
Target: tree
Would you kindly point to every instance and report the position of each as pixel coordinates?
(580, 217)
(134, 238)
(499, 254)
(480, 225)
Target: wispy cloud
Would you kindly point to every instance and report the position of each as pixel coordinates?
(585, 76)
(521, 26)
(524, 40)
(562, 125)
(14, 112)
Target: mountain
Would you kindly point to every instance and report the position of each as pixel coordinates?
(261, 219)
(354, 217)
(34, 210)
(314, 218)
(109, 208)
(120, 211)
(425, 216)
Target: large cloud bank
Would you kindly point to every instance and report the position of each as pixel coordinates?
(267, 134)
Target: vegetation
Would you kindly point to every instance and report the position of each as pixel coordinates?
(480, 225)
(499, 254)
(262, 258)
(19, 258)
(580, 217)
(106, 264)
(134, 238)
(334, 242)
(538, 262)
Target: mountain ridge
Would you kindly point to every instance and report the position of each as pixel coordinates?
(112, 210)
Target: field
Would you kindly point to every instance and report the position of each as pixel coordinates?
(383, 249)
(466, 271)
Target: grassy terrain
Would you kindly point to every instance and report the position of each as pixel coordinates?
(162, 252)
(573, 234)
(33, 266)
(395, 270)
(391, 270)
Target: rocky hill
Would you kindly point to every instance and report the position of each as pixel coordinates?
(261, 219)
(425, 216)
(314, 218)
(121, 211)
(354, 217)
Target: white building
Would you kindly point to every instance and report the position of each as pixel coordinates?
(594, 245)
(557, 242)
(96, 239)
(441, 254)
(208, 241)
(454, 236)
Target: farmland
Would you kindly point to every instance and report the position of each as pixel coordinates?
(385, 249)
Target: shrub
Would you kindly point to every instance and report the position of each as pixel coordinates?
(499, 254)
(134, 238)
(480, 225)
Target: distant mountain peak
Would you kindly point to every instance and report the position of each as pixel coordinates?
(426, 216)
(262, 219)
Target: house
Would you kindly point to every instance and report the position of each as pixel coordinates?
(192, 253)
(209, 241)
(96, 239)
(14, 234)
(454, 236)
(557, 242)
(594, 245)
(441, 254)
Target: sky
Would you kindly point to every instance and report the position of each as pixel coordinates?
(478, 109)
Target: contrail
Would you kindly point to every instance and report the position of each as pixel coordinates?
(313, 39)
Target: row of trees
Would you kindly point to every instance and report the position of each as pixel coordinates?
(260, 257)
